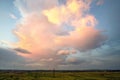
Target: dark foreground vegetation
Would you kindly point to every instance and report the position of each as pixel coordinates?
(59, 75)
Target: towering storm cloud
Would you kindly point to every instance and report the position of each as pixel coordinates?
(47, 30)
(60, 34)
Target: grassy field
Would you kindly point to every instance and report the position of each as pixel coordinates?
(59, 75)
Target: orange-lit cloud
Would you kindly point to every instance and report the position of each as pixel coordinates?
(65, 13)
(37, 32)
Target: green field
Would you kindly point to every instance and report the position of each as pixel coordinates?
(59, 75)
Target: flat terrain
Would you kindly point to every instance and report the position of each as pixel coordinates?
(41, 75)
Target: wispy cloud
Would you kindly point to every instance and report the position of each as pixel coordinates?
(13, 16)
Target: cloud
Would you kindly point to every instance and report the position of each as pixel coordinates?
(10, 59)
(13, 16)
(21, 50)
(62, 2)
(7, 52)
(67, 52)
(28, 6)
(38, 30)
(100, 2)
(104, 57)
(85, 41)
(58, 15)
(49, 59)
(74, 61)
(5, 43)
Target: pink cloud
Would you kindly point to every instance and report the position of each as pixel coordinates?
(37, 32)
(67, 52)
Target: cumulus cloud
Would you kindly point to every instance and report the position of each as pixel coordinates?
(89, 38)
(104, 57)
(67, 52)
(38, 30)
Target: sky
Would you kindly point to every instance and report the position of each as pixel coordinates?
(60, 34)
